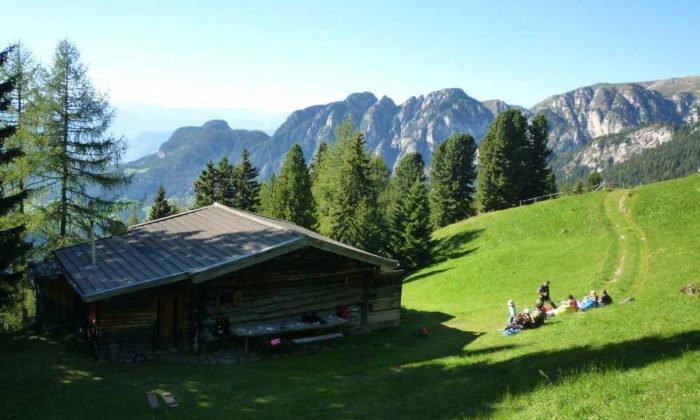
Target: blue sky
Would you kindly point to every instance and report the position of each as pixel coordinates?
(277, 56)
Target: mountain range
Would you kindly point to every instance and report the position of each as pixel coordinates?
(420, 123)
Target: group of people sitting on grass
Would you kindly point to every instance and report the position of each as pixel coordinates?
(526, 320)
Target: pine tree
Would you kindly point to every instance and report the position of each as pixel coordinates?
(502, 157)
(354, 211)
(161, 207)
(247, 195)
(217, 184)
(268, 206)
(12, 246)
(539, 178)
(226, 189)
(316, 161)
(415, 251)
(292, 198)
(408, 170)
(409, 213)
(345, 194)
(452, 180)
(205, 187)
(27, 73)
(78, 165)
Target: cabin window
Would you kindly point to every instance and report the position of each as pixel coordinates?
(228, 299)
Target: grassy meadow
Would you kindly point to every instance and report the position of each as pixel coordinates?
(641, 359)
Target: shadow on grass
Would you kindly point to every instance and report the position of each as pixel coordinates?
(410, 278)
(454, 246)
(446, 389)
(387, 374)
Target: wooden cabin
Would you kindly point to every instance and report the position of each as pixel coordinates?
(185, 281)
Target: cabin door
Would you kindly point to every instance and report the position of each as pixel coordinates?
(167, 322)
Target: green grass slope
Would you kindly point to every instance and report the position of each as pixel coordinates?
(641, 359)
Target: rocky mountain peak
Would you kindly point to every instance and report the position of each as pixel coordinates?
(361, 99)
(216, 125)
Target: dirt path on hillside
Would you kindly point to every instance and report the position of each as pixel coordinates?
(631, 266)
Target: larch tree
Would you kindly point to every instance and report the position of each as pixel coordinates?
(452, 179)
(161, 207)
(291, 195)
(78, 171)
(12, 245)
(247, 194)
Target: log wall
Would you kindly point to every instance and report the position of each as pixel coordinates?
(57, 302)
(286, 287)
(385, 300)
(128, 324)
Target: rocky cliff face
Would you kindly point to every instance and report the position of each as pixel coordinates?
(419, 124)
(583, 114)
(606, 151)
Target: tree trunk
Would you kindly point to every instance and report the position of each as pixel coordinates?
(64, 178)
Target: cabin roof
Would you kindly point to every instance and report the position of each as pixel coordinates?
(200, 245)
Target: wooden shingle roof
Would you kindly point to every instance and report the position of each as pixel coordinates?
(199, 245)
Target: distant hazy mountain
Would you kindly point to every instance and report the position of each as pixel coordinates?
(421, 123)
(145, 143)
(179, 160)
(144, 125)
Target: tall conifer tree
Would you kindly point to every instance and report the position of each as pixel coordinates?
(513, 163)
(78, 167)
(502, 155)
(226, 183)
(12, 246)
(539, 179)
(247, 195)
(268, 206)
(346, 194)
(316, 161)
(452, 179)
(217, 183)
(205, 187)
(292, 198)
(161, 207)
(415, 251)
(409, 213)
(27, 73)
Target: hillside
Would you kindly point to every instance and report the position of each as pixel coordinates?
(638, 359)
